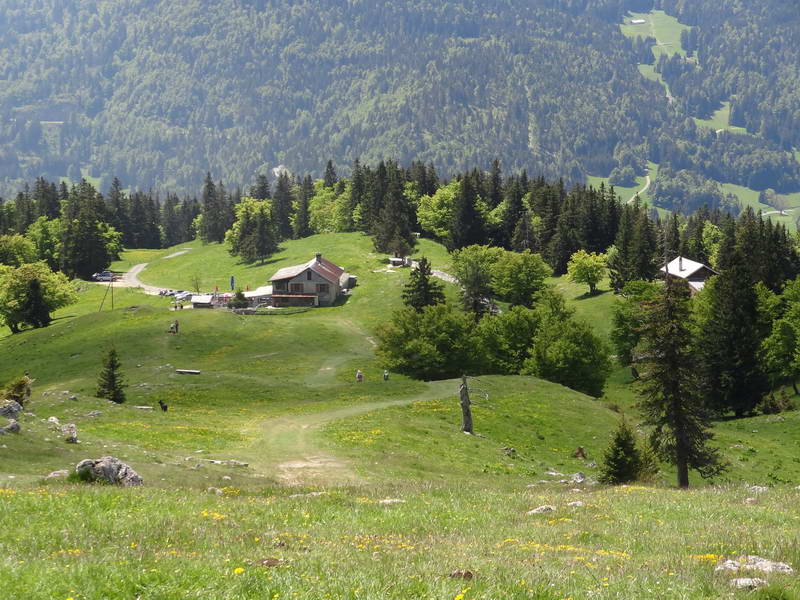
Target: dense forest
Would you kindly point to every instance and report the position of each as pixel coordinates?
(159, 92)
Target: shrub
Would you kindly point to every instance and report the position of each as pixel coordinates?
(238, 300)
(772, 405)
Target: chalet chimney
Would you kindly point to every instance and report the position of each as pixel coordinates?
(319, 257)
(680, 263)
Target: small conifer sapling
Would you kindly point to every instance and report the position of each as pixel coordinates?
(110, 382)
(621, 461)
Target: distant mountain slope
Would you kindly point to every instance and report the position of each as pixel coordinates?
(159, 92)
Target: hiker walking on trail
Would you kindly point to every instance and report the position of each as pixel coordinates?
(359, 376)
(385, 375)
(176, 325)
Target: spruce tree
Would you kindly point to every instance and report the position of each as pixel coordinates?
(467, 226)
(494, 185)
(170, 221)
(621, 461)
(211, 229)
(422, 290)
(330, 177)
(110, 381)
(282, 207)
(261, 189)
(83, 248)
(118, 211)
(729, 337)
(392, 230)
(356, 195)
(525, 236)
(514, 209)
(671, 401)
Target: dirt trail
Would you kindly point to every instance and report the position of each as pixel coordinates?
(641, 191)
(290, 447)
(131, 280)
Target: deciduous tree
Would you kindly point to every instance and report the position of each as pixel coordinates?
(588, 268)
(23, 302)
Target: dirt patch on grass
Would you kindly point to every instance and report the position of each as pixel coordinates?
(296, 472)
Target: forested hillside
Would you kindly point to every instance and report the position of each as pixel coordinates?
(158, 93)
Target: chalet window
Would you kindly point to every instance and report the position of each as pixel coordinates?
(308, 275)
(297, 288)
(280, 286)
(323, 288)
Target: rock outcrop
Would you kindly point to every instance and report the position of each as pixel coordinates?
(108, 469)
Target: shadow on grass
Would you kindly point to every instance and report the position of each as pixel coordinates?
(259, 264)
(589, 295)
(341, 300)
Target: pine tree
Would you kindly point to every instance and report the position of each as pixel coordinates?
(525, 235)
(494, 185)
(83, 248)
(170, 221)
(282, 207)
(118, 211)
(25, 211)
(729, 339)
(392, 230)
(422, 290)
(621, 461)
(261, 189)
(330, 178)
(671, 400)
(512, 214)
(45, 197)
(467, 226)
(356, 197)
(566, 238)
(110, 382)
(213, 224)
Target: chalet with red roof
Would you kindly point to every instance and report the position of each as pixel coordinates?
(318, 282)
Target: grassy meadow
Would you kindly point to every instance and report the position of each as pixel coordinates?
(628, 192)
(663, 27)
(720, 120)
(357, 491)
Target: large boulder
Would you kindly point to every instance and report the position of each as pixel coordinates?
(10, 410)
(108, 469)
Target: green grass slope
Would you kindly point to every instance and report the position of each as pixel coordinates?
(402, 497)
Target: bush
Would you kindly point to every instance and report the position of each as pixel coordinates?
(772, 405)
(238, 300)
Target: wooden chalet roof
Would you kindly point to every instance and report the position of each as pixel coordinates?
(320, 265)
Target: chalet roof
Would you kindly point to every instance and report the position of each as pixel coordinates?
(321, 266)
(686, 268)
